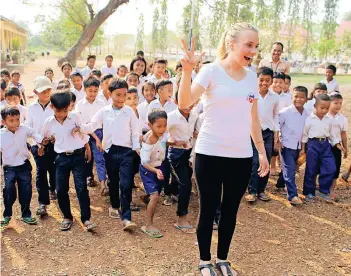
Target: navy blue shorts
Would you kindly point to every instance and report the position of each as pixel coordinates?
(150, 181)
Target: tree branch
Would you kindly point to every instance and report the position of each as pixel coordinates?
(90, 9)
(71, 16)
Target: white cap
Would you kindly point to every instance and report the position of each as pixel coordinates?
(41, 83)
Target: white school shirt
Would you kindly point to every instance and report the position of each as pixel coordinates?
(102, 98)
(268, 111)
(199, 108)
(181, 129)
(142, 80)
(154, 79)
(142, 111)
(317, 128)
(120, 127)
(284, 100)
(86, 110)
(13, 146)
(332, 86)
(64, 141)
(80, 94)
(339, 124)
(155, 154)
(309, 106)
(36, 116)
(226, 128)
(292, 124)
(85, 72)
(169, 106)
(108, 70)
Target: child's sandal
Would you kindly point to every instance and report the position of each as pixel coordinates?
(89, 225)
(227, 266)
(29, 220)
(5, 221)
(66, 225)
(209, 267)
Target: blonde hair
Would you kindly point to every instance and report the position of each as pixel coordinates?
(231, 34)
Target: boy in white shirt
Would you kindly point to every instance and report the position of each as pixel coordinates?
(71, 148)
(329, 81)
(16, 165)
(339, 129)
(152, 173)
(86, 110)
(268, 112)
(86, 71)
(278, 86)
(15, 78)
(292, 122)
(78, 88)
(38, 112)
(287, 84)
(105, 94)
(149, 92)
(319, 156)
(13, 98)
(164, 89)
(181, 127)
(133, 79)
(120, 140)
(108, 68)
(159, 68)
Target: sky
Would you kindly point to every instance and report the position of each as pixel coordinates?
(124, 20)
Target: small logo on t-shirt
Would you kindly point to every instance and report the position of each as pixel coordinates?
(251, 97)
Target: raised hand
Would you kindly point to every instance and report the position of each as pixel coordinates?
(189, 60)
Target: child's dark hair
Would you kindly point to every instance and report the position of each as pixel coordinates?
(335, 96)
(265, 71)
(15, 72)
(135, 60)
(48, 69)
(61, 100)
(117, 83)
(140, 53)
(13, 91)
(132, 89)
(179, 65)
(5, 72)
(156, 114)
(73, 97)
(279, 76)
(91, 56)
(91, 81)
(76, 74)
(66, 63)
(322, 97)
(279, 43)
(150, 84)
(302, 89)
(121, 66)
(161, 61)
(63, 84)
(9, 111)
(288, 77)
(162, 83)
(96, 72)
(333, 68)
(318, 86)
(106, 77)
(132, 74)
(3, 84)
(109, 56)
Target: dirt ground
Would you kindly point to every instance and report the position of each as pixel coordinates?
(271, 238)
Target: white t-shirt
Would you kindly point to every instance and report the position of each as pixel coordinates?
(227, 104)
(108, 70)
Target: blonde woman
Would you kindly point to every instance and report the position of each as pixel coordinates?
(223, 149)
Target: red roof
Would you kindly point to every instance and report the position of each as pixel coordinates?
(345, 26)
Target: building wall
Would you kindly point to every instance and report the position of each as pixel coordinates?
(9, 31)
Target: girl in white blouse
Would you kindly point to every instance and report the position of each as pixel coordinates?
(223, 149)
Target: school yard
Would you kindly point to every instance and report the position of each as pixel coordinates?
(271, 238)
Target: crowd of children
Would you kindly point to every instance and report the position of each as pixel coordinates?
(128, 121)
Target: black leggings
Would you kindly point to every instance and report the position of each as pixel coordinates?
(212, 174)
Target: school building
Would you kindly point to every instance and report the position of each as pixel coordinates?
(9, 31)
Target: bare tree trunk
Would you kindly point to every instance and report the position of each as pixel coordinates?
(90, 30)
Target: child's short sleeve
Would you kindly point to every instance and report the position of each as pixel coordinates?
(345, 125)
(204, 77)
